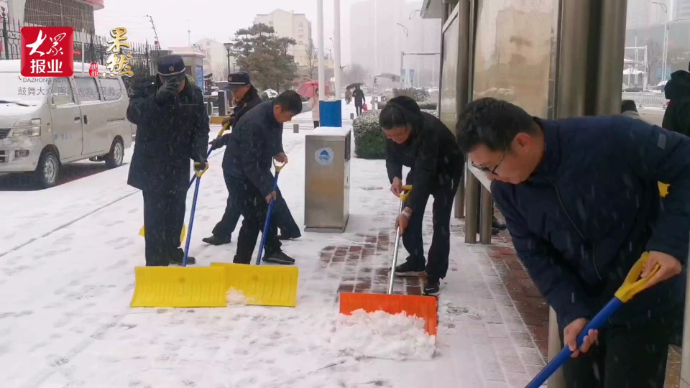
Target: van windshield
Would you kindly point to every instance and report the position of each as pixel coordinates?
(23, 90)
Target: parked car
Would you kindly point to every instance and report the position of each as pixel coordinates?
(48, 122)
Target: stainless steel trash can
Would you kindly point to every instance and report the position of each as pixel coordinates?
(327, 180)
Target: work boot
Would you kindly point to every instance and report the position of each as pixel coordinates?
(495, 223)
(409, 268)
(178, 256)
(278, 257)
(433, 286)
(215, 240)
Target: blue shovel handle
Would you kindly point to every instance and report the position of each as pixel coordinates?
(191, 223)
(598, 321)
(262, 246)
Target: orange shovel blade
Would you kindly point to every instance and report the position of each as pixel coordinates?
(424, 307)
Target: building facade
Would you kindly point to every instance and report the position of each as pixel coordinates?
(77, 14)
(291, 25)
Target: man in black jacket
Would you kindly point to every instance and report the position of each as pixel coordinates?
(358, 95)
(172, 128)
(257, 140)
(421, 141)
(581, 200)
(246, 97)
(677, 90)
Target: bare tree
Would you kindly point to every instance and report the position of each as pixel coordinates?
(355, 73)
(312, 59)
(655, 57)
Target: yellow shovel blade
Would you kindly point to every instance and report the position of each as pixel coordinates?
(183, 235)
(179, 287)
(262, 285)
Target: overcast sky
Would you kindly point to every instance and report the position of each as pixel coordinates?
(215, 19)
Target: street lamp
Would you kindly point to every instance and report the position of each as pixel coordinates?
(228, 47)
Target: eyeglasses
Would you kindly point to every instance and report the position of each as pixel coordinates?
(492, 171)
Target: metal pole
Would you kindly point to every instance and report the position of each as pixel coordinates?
(402, 55)
(645, 78)
(557, 380)
(611, 38)
(336, 44)
(319, 38)
(486, 216)
(471, 207)
(665, 52)
(462, 82)
(228, 61)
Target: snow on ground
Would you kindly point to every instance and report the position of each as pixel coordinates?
(66, 277)
(382, 335)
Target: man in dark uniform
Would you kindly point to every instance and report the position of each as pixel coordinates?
(246, 97)
(172, 127)
(257, 140)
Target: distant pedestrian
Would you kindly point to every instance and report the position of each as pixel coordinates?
(314, 105)
(422, 142)
(246, 97)
(172, 128)
(360, 100)
(581, 201)
(677, 90)
(348, 96)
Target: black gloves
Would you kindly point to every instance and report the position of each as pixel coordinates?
(200, 168)
(218, 142)
(167, 94)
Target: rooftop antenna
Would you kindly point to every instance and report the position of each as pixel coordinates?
(157, 43)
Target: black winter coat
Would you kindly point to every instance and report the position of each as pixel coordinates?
(358, 94)
(677, 116)
(433, 156)
(255, 139)
(592, 207)
(168, 136)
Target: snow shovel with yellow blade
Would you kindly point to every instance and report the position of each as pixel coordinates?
(632, 285)
(142, 231)
(424, 307)
(180, 286)
(263, 285)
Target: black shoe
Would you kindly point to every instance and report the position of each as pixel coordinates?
(495, 231)
(278, 258)
(433, 287)
(409, 268)
(495, 223)
(215, 240)
(178, 260)
(288, 237)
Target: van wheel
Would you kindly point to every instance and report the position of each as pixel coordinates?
(117, 154)
(48, 170)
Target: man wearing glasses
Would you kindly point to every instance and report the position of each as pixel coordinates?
(581, 200)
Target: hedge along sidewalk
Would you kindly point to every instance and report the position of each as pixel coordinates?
(370, 142)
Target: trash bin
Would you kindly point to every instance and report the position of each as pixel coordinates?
(327, 180)
(331, 113)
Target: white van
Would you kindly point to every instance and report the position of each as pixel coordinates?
(47, 122)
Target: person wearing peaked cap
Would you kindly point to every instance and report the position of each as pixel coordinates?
(172, 128)
(245, 97)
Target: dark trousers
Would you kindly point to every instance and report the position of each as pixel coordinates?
(626, 357)
(228, 223)
(283, 218)
(358, 108)
(316, 124)
(253, 209)
(437, 266)
(163, 220)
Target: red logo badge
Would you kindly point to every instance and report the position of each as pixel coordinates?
(47, 51)
(93, 69)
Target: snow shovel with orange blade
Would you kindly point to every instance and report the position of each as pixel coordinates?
(424, 307)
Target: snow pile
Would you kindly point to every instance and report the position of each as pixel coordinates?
(382, 335)
(236, 297)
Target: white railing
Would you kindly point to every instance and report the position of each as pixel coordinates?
(646, 99)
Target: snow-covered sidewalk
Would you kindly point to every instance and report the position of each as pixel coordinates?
(66, 277)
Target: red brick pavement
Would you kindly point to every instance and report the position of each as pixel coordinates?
(363, 267)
